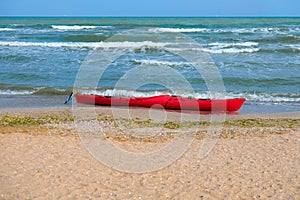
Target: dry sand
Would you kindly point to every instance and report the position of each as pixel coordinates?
(50, 162)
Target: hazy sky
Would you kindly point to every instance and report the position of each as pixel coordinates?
(150, 7)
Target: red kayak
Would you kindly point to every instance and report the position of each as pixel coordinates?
(164, 101)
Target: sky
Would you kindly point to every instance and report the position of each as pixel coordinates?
(149, 7)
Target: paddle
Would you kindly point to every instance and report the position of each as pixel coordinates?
(69, 98)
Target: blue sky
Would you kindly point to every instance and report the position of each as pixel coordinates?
(150, 7)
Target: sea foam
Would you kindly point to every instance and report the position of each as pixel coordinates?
(250, 96)
(225, 30)
(124, 44)
(74, 27)
(6, 29)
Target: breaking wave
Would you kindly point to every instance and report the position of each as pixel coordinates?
(76, 27)
(277, 30)
(159, 63)
(6, 29)
(83, 44)
(252, 96)
(217, 48)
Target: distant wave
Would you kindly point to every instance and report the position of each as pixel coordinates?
(214, 48)
(219, 47)
(159, 63)
(76, 27)
(48, 44)
(231, 50)
(6, 29)
(226, 45)
(294, 46)
(178, 30)
(84, 44)
(224, 30)
(210, 48)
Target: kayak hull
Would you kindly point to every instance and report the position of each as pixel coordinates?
(164, 102)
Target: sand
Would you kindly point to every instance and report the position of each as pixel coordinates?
(49, 161)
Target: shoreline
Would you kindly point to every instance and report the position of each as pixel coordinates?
(57, 101)
(35, 111)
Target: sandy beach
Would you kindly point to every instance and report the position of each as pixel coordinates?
(255, 157)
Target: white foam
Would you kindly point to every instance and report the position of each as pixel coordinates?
(224, 30)
(74, 27)
(47, 44)
(231, 50)
(178, 30)
(294, 30)
(266, 97)
(243, 30)
(216, 48)
(127, 44)
(294, 46)
(6, 29)
(124, 44)
(158, 62)
(250, 96)
(239, 44)
(210, 48)
(219, 48)
(128, 93)
(15, 92)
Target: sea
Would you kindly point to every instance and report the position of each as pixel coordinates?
(257, 58)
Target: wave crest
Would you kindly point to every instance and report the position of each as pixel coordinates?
(251, 96)
(73, 27)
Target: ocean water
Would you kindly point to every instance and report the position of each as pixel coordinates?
(257, 58)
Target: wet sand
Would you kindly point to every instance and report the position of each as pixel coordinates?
(49, 161)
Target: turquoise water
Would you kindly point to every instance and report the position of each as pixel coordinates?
(258, 58)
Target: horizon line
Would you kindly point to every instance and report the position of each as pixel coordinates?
(163, 16)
